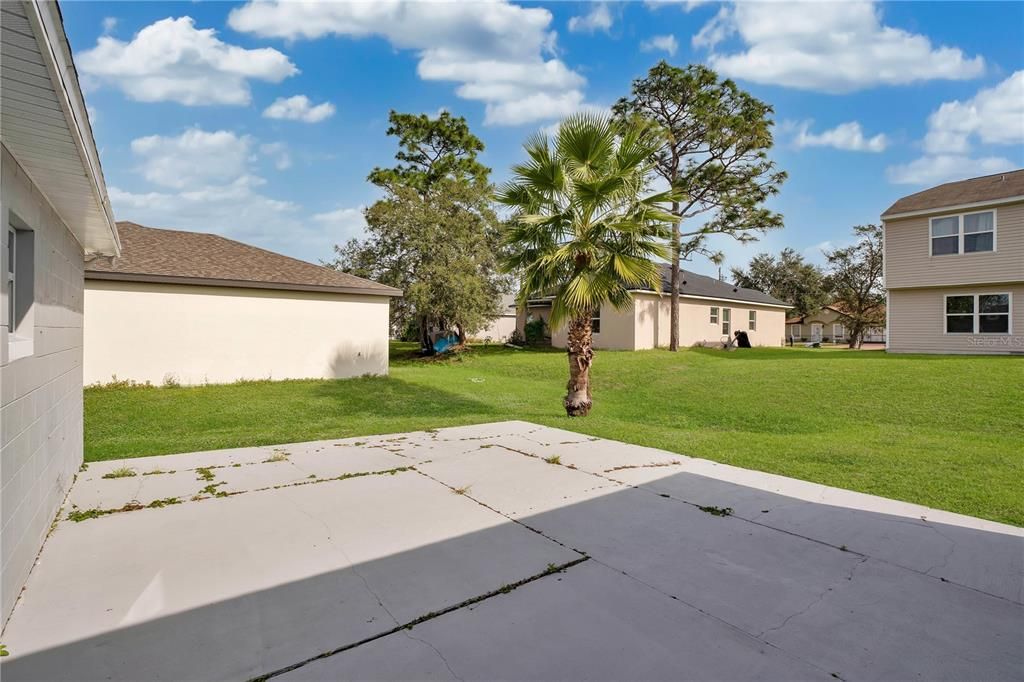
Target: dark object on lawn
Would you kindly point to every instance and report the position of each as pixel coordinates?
(742, 340)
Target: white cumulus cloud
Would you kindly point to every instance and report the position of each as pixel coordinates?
(994, 117)
(343, 223)
(834, 47)
(299, 108)
(934, 170)
(196, 157)
(667, 43)
(599, 18)
(846, 136)
(172, 61)
(500, 54)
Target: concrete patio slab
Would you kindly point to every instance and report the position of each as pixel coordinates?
(257, 581)
(589, 623)
(318, 578)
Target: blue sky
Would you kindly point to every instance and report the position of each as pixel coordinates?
(261, 121)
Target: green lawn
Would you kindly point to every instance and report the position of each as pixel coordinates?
(946, 432)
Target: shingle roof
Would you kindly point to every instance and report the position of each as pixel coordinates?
(974, 190)
(149, 254)
(693, 284)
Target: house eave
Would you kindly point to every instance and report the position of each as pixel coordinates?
(388, 292)
(85, 209)
(951, 208)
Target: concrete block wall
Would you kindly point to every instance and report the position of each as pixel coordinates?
(41, 394)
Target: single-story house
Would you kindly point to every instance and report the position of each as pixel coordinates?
(826, 325)
(954, 267)
(501, 327)
(191, 308)
(55, 212)
(710, 310)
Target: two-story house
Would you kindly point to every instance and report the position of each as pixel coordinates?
(954, 267)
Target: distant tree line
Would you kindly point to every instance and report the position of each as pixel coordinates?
(851, 282)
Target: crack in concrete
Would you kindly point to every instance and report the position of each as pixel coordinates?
(504, 589)
(820, 598)
(436, 651)
(465, 493)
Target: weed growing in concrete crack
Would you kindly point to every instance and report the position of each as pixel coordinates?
(157, 504)
(553, 459)
(212, 488)
(205, 473)
(120, 472)
(157, 472)
(3, 651)
(716, 511)
(461, 491)
(277, 457)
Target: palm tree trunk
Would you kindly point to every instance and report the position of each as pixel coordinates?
(581, 356)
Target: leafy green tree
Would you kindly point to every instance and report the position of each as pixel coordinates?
(585, 229)
(787, 277)
(714, 153)
(435, 234)
(429, 150)
(855, 276)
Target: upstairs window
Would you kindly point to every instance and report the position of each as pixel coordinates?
(965, 233)
(979, 232)
(714, 315)
(752, 324)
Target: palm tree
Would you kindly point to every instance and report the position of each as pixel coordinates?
(583, 230)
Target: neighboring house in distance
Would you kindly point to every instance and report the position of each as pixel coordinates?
(954, 267)
(53, 202)
(202, 308)
(710, 310)
(501, 328)
(826, 325)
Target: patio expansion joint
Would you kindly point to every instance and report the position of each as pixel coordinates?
(465, 493)
(78, 516)
(406, 627)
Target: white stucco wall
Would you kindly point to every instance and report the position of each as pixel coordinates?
(653, 317)
(40, 393)
(203, 334)
(645, 324)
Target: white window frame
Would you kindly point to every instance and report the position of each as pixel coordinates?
(726, 321)
(821, 330)
(752, 321)
(960, 233)
(976, 315)
(798, 334)
(838, 335)
(12, 280)
(714, 315)
(595, 317)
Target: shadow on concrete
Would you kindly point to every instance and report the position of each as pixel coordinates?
(780, 588)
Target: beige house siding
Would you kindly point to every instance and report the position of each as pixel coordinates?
(909, 263)
(646, 322)
(198, 334)
(917, 322)
(41, 392)
(829, 320)
(616, 330)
